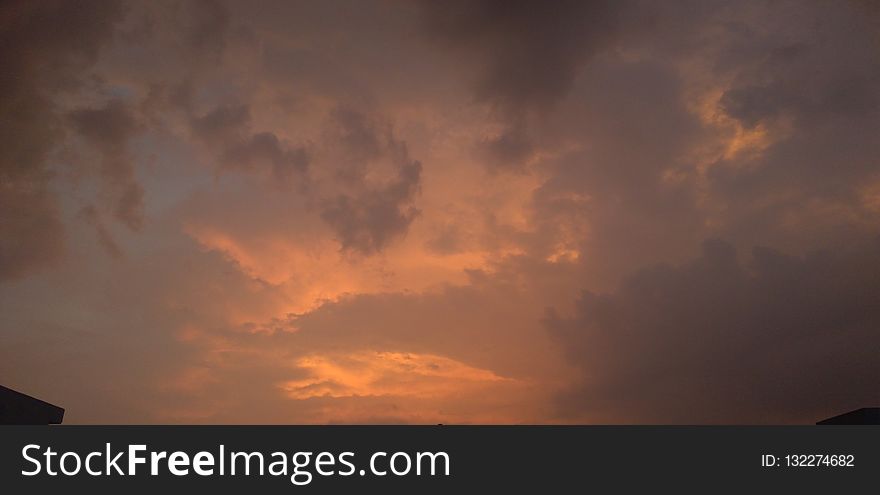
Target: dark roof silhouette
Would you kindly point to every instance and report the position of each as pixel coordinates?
(17, 408)
(863, 416)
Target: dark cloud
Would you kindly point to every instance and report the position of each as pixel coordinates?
(222, 124)
(368, 221)
(524, 57)
(509, 150)
(358, 136)
(782, 339)
(365, 213)
(630, 125)
(173, 41)
(813, 88)
(810, 81)
(164, 98)
(779, 157)
(526, 53)
(355, 148)
(369, 214)
(109, 129)
(227, 131)
(264, 149)
(91, 215)
(207, 26)
(44, 47)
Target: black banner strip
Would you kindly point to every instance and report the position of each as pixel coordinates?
(437, 459)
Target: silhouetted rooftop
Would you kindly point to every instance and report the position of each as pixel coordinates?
(863, 416)
(17, 408)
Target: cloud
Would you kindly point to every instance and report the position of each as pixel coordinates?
(364, 374)
(814, 95)
(208, 25)
(226, 130)
(782, 339)
(44, 48)
(523, 58)
(109, 129)
(509, 150)
(421, 358)
(337, 203)
(357, 135)
(222, 124)
(367, 222)
(265, 149)
(660, 140)
(374, 213)
(93, 217)
(526, 54)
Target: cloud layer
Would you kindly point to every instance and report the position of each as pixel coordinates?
(440, 212)
(718, 341)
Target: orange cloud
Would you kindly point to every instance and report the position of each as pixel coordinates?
(369, 373)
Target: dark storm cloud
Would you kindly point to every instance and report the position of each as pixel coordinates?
(358, 136)
(816, 90)
(91, 215)
(643, 137)
(630, 123)
(527, 54)
(826, 78)
(508, 151)
(368, 221)
(227, 131)
(173, 40)
(782, 338)
(265, 149)
(43, 48)
(365, 214)
(810, 82)
(369, 216)
(525, 57)
(109, 129)
(223, 123)
(778, 340)
(208, 24)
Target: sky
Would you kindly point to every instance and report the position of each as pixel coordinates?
(441, 212)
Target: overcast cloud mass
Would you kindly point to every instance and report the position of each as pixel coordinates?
(441, 212)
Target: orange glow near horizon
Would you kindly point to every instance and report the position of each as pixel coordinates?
(370, 373)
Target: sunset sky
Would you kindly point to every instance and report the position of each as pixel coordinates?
(441, 212)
